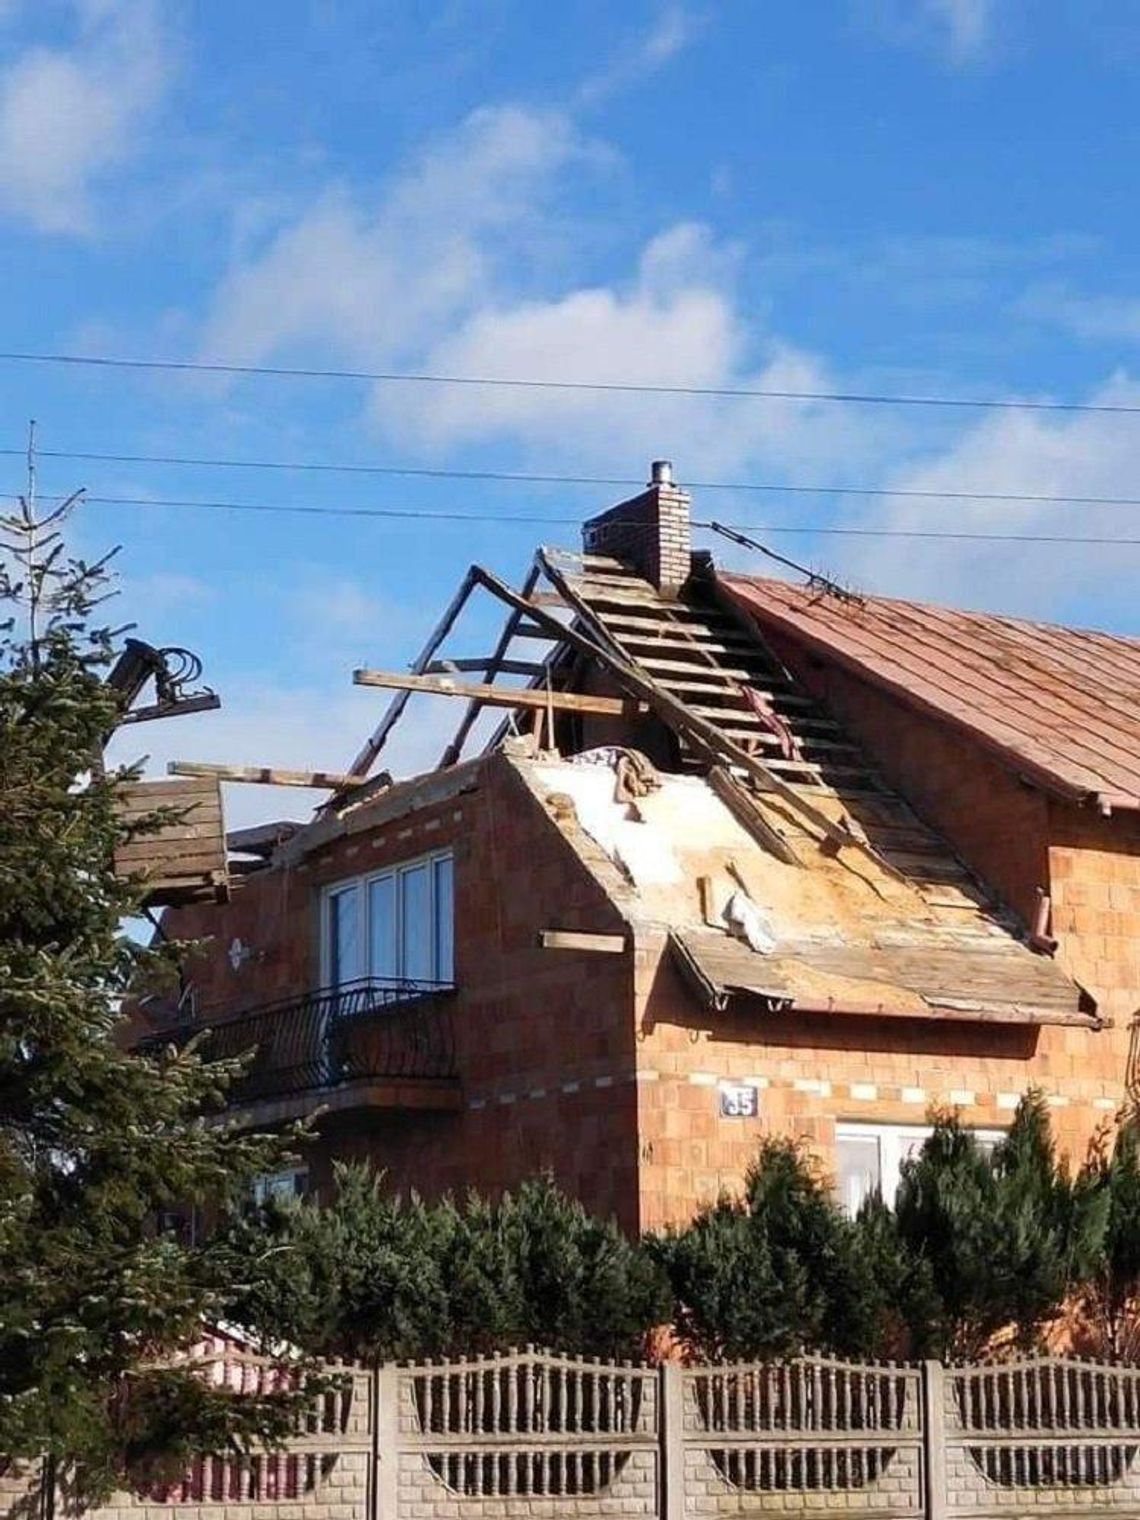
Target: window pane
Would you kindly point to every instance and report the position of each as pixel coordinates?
(444, 921)
(858, 1170)
(344, 937)
(416, 959)
(382, 961)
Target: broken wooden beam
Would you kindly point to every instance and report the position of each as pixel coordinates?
(454, 750)
(265, 775)
(504, 696)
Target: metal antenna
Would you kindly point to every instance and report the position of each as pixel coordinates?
(822, 582)
(32, 466)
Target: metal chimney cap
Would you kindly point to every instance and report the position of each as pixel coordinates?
(661, 472)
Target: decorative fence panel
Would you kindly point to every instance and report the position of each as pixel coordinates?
(800, 1437)
(522, 1434)
(542, 1436)
(324, 1472)
(1047, 1433)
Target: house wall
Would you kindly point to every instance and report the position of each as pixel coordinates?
(544, 1038)
(815, 1071)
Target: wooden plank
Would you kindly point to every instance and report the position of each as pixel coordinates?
(503, 696)
(265, 775)
(377, 739)
(530, 668)
(748, 814)
(571, 939)
(172, 865)
(184, 860)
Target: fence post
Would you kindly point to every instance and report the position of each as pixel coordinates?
(934, 1438)
(671, 1432)
(385, 1487)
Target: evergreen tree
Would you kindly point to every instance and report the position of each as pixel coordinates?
(96, 1305)
(378, 1276)
(780, 1271)
(1110, 1292)
(1006, 1237)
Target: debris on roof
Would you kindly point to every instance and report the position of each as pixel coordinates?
(823, 938)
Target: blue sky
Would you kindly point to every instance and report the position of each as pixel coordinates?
(896, 195)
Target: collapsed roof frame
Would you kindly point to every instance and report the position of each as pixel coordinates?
(585, 635)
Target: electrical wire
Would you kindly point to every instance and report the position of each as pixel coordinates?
(508, 477)
(735, 392)
(507, 519)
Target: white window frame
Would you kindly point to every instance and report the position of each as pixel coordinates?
(894, 1141)
(361, 885)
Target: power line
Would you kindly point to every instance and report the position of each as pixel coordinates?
(398, 377)
(501, 519)
(509, 477)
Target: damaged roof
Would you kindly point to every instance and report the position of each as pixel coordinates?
(1060, 705)
(828, 936)
(899, 927)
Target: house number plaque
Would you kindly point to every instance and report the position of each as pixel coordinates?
(739, 1102)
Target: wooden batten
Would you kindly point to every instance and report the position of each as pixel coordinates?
(504, 696)
(264, 775)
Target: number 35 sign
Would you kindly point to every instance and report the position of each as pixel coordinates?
(739, 1102)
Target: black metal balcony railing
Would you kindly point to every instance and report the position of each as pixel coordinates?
(365, 1030)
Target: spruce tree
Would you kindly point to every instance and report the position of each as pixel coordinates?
(780, 1271)
(97, 1305)
(1110, 1291)
(1006, 1237)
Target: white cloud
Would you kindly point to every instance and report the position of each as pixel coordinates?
(676, 323)
(1111, 319)
(68, 115)
(962, 30)
(967, 24)
(672, 31)
(1036, 453)
(369, 279)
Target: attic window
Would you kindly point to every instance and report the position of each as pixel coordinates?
(391, 926)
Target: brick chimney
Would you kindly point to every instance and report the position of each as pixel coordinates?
(650, 533)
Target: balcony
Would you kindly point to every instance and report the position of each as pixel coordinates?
(370, 1044)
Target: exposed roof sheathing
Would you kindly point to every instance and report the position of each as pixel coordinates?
(1060, 705)
(841, 940)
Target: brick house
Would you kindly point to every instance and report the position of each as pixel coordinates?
(744, 857)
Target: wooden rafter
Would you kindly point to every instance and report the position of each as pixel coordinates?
(701, 732)
(511, 629)
(486, 663)
(504, 696)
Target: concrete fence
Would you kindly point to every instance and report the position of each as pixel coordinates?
(536, 1435)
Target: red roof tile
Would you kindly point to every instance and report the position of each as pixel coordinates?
(1062, 705)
